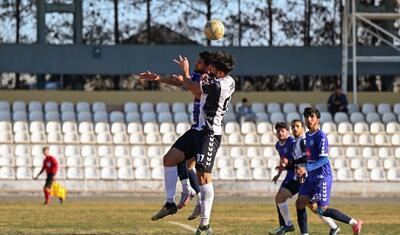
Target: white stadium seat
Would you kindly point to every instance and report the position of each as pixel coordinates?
(143, 173)
(20, 126)
(361, 128)
(107, 162)
(353, 152)
(232, 127)
(169, 138)
(69, 127)
(253, 152)
(349, 139)
(74, 173)
(21, 138)
(24, 173)
(138, 151)
(376, 128)
(334, 139)
(135, 127)
(248, 127)
(71, 138)
(182, 127)
(365, 140)
(6, 137)
(88, 151)
(260, 173)
(227, 173)
(53, 127)
(153, 138)
(382, 140)
(121, 151)
(361, 174)
(329, 128)
(38, 138)
(88, 138)
(257, 162)
(264, 127)
(136, 138)
(6, 150)
(105, 151)
(336, 152)
(393, 174)
(235, 139)
(91, 173)
(356, 163)
(344, 174)
(5, 126)
(251, 139)
(243, 173)
(385, 152)
(125, 173)
(389, 163)
(396, 139)
(378, 174)
(37, 126)
(345, 128)
(55, 138)
(121, 138)
(167, 127)
(7, 173)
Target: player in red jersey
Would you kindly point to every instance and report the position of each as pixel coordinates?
(50, 164)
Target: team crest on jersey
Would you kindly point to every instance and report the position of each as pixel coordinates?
(285, 150)
(311, 142)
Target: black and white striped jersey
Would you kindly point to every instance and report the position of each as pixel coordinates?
(215, 97)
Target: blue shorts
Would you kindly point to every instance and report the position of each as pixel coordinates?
(317, 189)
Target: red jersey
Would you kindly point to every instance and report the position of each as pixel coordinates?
(50, 164)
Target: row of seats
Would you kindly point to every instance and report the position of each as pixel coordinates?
(256, 107)
(179, 128)
(178, 112)
(228, 173)
(170, 137)
(267, 152)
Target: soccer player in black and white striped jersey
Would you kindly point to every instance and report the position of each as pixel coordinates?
(215, 94)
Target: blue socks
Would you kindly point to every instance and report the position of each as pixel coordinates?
(337, 215)
(302, 220)
(194, 181)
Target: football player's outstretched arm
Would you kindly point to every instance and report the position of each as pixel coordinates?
(150, 76)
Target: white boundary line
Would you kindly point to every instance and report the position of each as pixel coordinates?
(185, 226)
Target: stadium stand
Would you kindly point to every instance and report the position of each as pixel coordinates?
(93, 143)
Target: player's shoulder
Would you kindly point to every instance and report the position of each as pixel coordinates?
(321, 134)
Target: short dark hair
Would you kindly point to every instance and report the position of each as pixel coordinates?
(297, 120)
(206, 56)
(45, 148)
(280, 125)
(223, 61)
(310, 110)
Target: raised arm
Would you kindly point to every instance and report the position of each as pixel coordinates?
(187, 82)
(149, 76)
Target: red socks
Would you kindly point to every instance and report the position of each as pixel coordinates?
(46, 195)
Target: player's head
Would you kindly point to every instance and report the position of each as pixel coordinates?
(312, 116)
(282, 131)
(45, 151)
(222, 64)
(203, 63)
(297, 127)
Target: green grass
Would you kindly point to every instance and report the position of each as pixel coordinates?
(131, 215)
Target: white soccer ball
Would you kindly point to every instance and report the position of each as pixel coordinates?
(214, 30)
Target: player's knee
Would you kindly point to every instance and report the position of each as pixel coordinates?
(321, 210)
(279, 198)
(300, 203)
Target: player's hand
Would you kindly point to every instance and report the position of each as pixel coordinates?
(35, 178)
(149, 76)
(177, 78)
(183, 62)
(276, 177)
(300, 171)
(204, 77)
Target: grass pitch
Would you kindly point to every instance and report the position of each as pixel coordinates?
(131, 215)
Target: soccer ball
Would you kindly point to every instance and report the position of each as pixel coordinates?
(214, 30)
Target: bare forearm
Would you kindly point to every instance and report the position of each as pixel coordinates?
(169, 81)
(193, 87)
